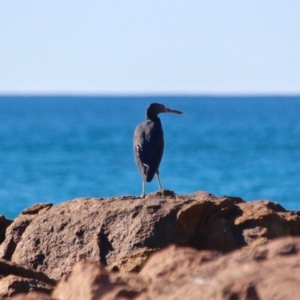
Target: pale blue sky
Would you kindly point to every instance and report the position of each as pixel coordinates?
(150, 47)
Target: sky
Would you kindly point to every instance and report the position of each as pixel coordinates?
(142, 47)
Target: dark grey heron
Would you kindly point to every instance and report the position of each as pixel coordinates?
(148, 144)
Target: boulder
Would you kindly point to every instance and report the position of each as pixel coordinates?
(122, 232)
(271, 271)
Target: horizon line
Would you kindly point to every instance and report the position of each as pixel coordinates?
(150, 95)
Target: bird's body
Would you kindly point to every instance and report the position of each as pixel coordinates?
(148, 143)
(149, 147)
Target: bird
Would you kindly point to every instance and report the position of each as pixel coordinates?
(148, 144)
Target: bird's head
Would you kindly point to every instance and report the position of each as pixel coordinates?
(155, 108)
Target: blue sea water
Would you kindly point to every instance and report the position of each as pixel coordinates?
(54, 149)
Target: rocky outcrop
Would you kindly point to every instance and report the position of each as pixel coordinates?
(121, 233)
(269, 272)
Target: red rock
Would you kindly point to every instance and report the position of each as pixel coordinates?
(9, 268)
(15, 279)
(269, 272)
(33, 296)
(12, 285)
(91, 281)
(16, 229)
(122, 232)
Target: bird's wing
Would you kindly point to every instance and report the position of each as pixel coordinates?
(141, 146)
(148, 150)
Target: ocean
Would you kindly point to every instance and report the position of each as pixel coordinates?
(57, 148)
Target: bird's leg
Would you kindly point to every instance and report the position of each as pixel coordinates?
(159, 183)
(144, 190)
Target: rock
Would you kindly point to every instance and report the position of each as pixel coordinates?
(13, 285)
(175, 262)
(33, 296)
(15, 279)
(229, 223)
(16, 229)
(262, 221)
(268, 272)
(9, 268)
(13, 235)
(132, 262)
(35, 209)
(91, 281)
(4, 223)
(122, 232)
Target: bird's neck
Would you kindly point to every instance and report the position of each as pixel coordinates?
(153, 118)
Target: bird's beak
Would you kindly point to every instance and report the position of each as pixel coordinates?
(173, 111)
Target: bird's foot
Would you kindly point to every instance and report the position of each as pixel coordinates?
(143, 196)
